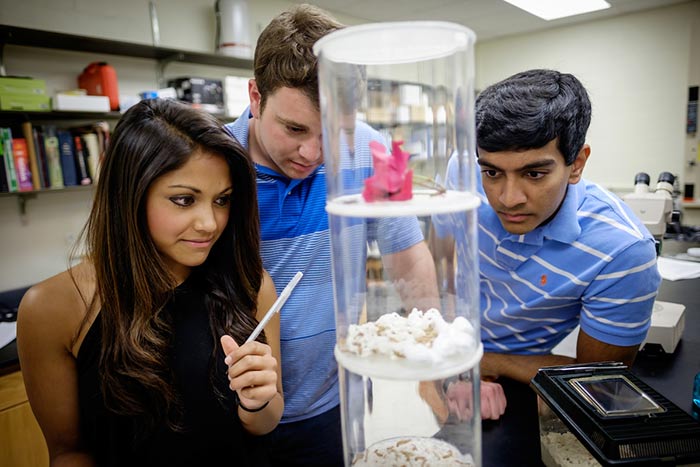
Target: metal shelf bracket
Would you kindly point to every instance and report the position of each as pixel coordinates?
(22, 199)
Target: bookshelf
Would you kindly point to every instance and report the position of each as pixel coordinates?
(13, 35)
(162, 55)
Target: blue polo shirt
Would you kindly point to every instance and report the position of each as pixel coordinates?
(593, 263)
(296, 237)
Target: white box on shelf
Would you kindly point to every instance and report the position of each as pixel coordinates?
(80, 103)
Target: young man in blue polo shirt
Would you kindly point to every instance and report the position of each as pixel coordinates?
(555, 250)
(282, 131)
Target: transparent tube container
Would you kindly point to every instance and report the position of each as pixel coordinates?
(397, 105)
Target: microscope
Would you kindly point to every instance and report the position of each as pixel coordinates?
(656, 210)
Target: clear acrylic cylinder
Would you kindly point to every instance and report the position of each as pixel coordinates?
(397, 105)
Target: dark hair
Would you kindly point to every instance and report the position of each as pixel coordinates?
(530, 109)
(152, 138)
(284, 54)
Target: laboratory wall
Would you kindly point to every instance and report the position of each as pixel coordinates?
(637, 68)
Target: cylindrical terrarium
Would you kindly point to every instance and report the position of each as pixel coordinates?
(397, 105)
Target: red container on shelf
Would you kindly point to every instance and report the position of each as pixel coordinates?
(100, 79)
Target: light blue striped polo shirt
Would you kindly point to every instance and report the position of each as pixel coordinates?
(595, 262)
(295, 237)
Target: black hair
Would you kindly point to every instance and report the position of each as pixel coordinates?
(532, 108)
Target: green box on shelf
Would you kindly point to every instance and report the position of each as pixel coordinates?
(26, 102)
(20, 85)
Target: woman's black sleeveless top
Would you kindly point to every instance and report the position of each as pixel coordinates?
(212, 433)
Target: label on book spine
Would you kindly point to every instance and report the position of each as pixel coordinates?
(53, 157)
(68, 161)
(8, 159)
(21, 157)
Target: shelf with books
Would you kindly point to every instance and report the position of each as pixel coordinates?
(39, 156)
(26, 124)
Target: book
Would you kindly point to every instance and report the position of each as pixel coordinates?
(41, 157)
(95, 139)
(28, 134)
(3, 178)
(10, 174)
(66, 151)
(102, 130)
(92, 150)
(4, 187)
(53, 156)
(81, 162)
(20, 155)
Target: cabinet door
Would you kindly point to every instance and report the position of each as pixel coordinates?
(23, 443)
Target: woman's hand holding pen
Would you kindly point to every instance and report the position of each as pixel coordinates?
(252, 372)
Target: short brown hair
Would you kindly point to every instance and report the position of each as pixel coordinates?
(284, 54)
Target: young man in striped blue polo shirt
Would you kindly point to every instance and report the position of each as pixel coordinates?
(555, 250)
(282, 131)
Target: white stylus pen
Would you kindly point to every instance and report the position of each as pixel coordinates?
(276, 306)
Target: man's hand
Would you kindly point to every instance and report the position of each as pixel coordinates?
(459, 396)
(493, 400)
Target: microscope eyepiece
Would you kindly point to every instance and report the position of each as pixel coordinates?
(643, 178)
(667, 177)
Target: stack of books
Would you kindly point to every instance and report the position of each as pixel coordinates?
(41, 157)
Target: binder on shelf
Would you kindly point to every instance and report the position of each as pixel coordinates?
(102, 130)
(67, 157)
(4, 188)
(53, 157)
(21, 159)
(95, 138)
(31, 152)
(8, 158)
(41, 157)
(81, 163)
(92, 150)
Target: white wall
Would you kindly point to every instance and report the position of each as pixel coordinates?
(636, 67)
(37, 246)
